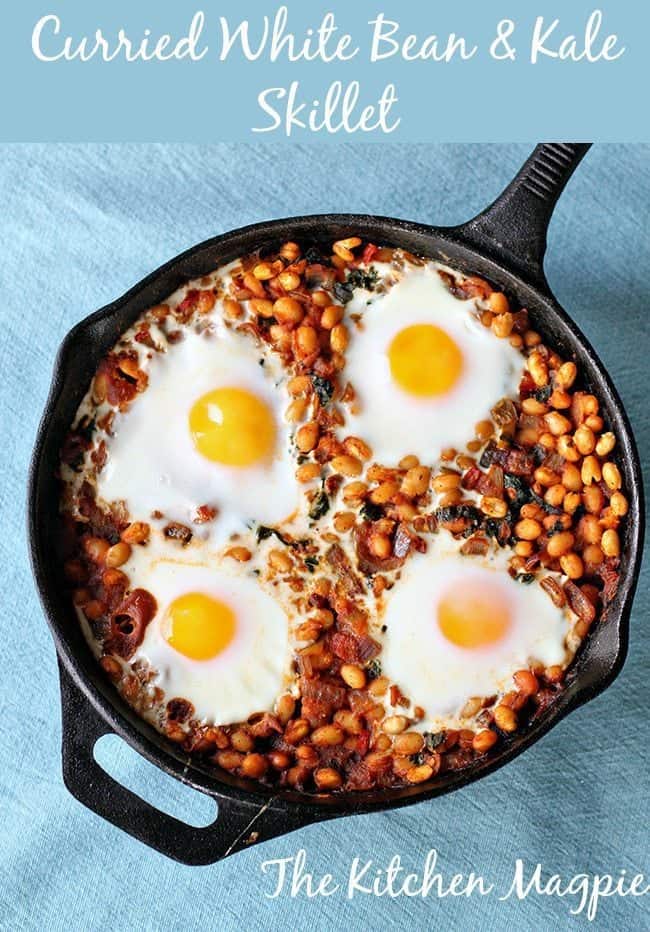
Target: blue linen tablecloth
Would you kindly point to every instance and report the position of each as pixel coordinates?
(83, 223)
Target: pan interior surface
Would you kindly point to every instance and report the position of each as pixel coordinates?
(600, 657)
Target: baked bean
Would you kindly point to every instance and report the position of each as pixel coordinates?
(484, 430)
(112, 578)
(306, 340)
(571, 479)
(290, 251)
(357, 447)
(610, 543)
(606, 444)
(589, 529)
(484, 740)
(619, 505)
(326, 778)
(537, 366)
(331, 316)
(572, 565)
(505, 718)
(296, 410)
(546, 476)
(296, 730)
(308, 472)
(289, 280)
(241, 554)
(229, 760)
(595, 422)
(343, 521)
(565, 376)
(380, 546)
(346, 465)
(279, 760)
(532, 338)
(384, 492)
(96, 549)
(354, 492)
(350, 721)
(533, 406)
(592, 556)
(307, 437)
(353, 676)
(419, 774)
(502, 324)
(566, 448)
(288, 311)
(299, 385)
(416, 481)
(343, 250)
(232, 309)
(280, 561)
(612, 476)
(526, 682)
(408, 742)
(571, 502)
(593, 499)
(560, 544)
(339, 338)
(241, 741)
(395, 724)
(285, 707)
(254, 766)
(446, 482)
(263, 307)
(136, 533)
(557, 423)
(591, 471)
(554, 495)
(584, 440)
(118, 554)
(498, 303)
(327, 736)
(493, 507)
(378, 686)
(528, 529)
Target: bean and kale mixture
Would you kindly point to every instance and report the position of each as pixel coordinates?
(539, 479)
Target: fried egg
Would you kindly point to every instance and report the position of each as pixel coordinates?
(423, 368)
(208, 430)
(216, 639)
(458, 627)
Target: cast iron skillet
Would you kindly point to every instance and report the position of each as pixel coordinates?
(506, 245)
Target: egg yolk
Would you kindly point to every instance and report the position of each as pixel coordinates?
(473, 618)
(198, 626)
(424, 360)
(233, 427)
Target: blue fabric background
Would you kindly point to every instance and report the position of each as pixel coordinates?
(83, 223)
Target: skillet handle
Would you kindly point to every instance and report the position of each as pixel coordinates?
(514, 227)
(238, 824)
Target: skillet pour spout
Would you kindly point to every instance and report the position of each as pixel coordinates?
(504, 244)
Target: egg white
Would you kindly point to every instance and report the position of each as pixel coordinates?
(396, 423)
(250, 673)
(152, 463)
(440, 676)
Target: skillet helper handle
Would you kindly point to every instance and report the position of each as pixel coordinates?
(514, 227)
(92, 786)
